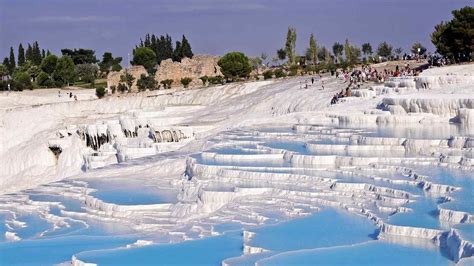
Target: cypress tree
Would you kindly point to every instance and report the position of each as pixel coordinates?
(43, 53)
(178, 52)
(21, 55)
(36, 55)
(186, 48)
(48, 52)
(6, 63)
(29, 53)
(12, 64)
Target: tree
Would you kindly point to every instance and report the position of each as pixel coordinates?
(128, 79)
(144, 56)
(122, 87)
(29, 53)
(281, 53)
(22, 81)
(167, 83)
(455, 38)
(255, 62)
(86, 72)
(3, 71)
(313, 49)
(44, 80)
(355, 54)
(384, 49)
(264, 57)
(64, 71)
(367, 48)
(186, 48)
(347, 51)
(399, 51)
(337, 49)
(178, 52)
(290, 45)
(21, 55)
(33, 71)
(81, 56)
(418, 49)
(49, 63)
(186, 81)
(146, 82)
(109, 63)
(11, 65)
(235, 65)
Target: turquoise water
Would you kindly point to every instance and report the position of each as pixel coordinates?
(208, 251)
(370, 253)
(325, 228)
(125, 193)
(56, 250)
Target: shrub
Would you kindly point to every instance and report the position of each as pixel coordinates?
(235, 65)
(144, 56)
(100, 92)
(279, 73)
(167, 83)
(122, 87)
(204, 80)
(113, 88)
(186, 81)
(22, 81)
(146, 82)
(268, 74)
(216, 80)
(293, 70)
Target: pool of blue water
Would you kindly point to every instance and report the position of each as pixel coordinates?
(132, 193)
(325, 228)
(369, 253)
(207, 251)
(55, 250)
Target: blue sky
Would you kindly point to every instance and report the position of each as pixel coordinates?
(218, 26)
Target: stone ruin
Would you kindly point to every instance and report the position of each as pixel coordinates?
(113, 79)
(196, 67)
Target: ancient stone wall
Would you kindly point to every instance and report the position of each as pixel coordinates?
(113, 79)
(198, 66)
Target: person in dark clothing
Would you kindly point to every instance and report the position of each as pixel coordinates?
(312, 80)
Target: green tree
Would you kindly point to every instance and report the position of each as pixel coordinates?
(455, 38)
(21, 55)
(313, 49)
(86, 72)
(3, 71)
(178, 52)
(281, 53)
(11, 64)
(418, 49)
(128, 79)
(36, 54)
(235, 65)
(144, 56)
(29, 53)
(337, 49)
(186, 48)
(290, 45)
(43, 79)
(146, 82)
(399, 51)
(367, 49)
(384, 49)
(49, 63)
(64, 72)
(33, 71)
(109, 63)
(347, 51)
(22, 81)
(81, 56)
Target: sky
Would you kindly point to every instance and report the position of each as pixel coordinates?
(219, 26)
